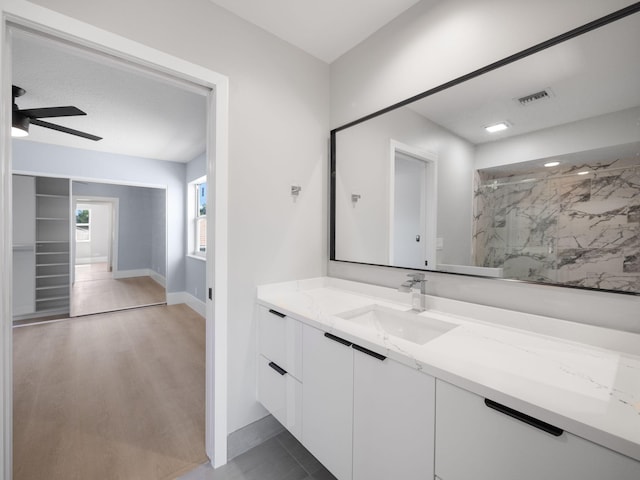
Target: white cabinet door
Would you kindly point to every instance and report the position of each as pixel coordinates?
(24, 239)
(327, 401)
(393, 420)
(476, 442)
(281, 394)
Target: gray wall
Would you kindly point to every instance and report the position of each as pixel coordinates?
(141, 232)
(86, 164)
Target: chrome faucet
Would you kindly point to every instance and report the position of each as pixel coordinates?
(417, 286)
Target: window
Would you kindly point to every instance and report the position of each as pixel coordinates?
(197, 217)
(201, 217)
(83, 225)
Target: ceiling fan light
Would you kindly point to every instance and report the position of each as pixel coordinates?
(19, 125)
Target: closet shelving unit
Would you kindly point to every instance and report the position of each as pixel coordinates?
(53, 235)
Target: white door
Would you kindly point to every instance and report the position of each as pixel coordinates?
(24, 240)
(409, 219)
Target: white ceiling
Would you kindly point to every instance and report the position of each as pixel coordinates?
(136, 113)
(585, 81)
(326, 29)
(140, 115)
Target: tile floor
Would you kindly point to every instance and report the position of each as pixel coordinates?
(279, 458)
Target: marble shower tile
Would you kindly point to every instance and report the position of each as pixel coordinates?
(598, 237)
(578, 230)
(631, 263)
(621, 184)
(618, 282)
(573, 189)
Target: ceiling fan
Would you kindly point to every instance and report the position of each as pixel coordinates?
(21, 119)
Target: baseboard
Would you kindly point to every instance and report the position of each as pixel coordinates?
(194, 303)
(140, 272)
(159, 279)
(53, 314)
(252, 435)
(90, 260)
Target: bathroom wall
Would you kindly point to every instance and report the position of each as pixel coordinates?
(278, 137)
(427, 46)
(363, 167)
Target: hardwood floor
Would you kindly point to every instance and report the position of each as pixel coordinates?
(95, 291)
(111, 396)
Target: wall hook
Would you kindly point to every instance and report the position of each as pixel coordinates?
(355, 197)
(295, 190)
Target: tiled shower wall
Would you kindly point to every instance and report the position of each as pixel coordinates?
(561, 227)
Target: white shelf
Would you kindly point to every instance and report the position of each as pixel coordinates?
(48, 299)
(50, 195)
(51, 287)
(52, 238)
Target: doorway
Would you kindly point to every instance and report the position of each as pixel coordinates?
(412, 207)
(118, 261)
(78, 33)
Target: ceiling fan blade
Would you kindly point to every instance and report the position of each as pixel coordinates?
(49, 112)
(60, 128)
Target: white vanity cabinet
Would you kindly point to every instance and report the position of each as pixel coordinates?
(393, 420)
(280, 368)
(484, 441)
(365, 417)
(327, 406)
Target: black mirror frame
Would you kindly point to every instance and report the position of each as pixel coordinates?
(588, 27)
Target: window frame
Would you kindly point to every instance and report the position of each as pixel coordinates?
(88, 225)
(194, 217)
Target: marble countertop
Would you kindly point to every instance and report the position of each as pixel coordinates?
(583, 379)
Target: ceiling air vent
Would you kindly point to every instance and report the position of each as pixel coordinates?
(535, 97)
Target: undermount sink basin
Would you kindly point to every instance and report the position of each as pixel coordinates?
(407, 325)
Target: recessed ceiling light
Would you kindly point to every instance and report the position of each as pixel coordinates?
(498, 127)
(551, 164)
(583, 173)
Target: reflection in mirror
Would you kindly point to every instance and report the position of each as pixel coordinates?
(428, 186)
(119, 247)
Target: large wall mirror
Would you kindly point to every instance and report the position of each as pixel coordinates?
(528, 169)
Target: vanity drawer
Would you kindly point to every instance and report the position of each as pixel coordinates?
(280, 340)
(280, 394)
(481, 439)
